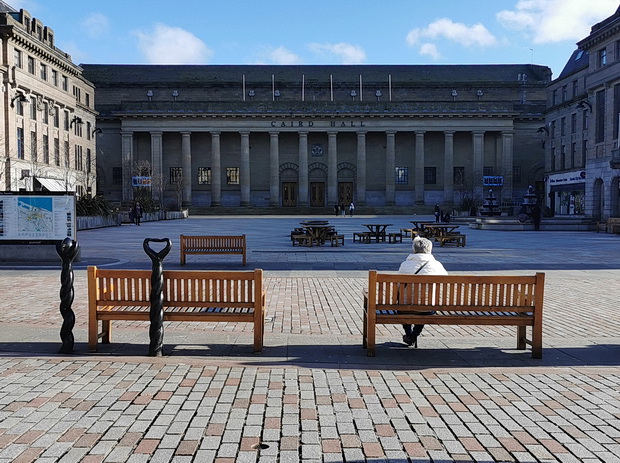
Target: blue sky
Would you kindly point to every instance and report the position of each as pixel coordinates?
(320, 31)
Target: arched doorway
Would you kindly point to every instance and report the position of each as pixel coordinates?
(615, 198)
(289, 180)
(317, 177)
(346, 181)
(598, 205)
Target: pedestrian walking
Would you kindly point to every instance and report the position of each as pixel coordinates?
(351, 209)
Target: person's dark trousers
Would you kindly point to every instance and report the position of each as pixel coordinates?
(413, 331)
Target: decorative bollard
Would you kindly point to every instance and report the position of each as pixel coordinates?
(67, 249)
(156, 331)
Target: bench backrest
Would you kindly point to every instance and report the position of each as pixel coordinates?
(198, 288)
(402, 292)
(217, 242)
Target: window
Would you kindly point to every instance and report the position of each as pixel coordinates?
(176, 175)
(575, 88)
(573, 154)
(87, 96)
(65, 83)
(563, 126)
(20, 143)
(516, 174)
(31, 65)
(79, 160)
(584, 152)
(554, 97)
(88, 160)
(564, 92)
(563, 157)
(458, 175)
(204, 175)
(430, 175)
(46, 149)
(17, 58)
(552, 129)
(402, 176)
(602, 57)
(67, 154)
(573, 123)
(56, 152)
(599, 135)
(487, 171)
(584, 120)
(46, 113)
(232, 175)
(33, 109)
(19, 107)
(117, 175)
(56, 116)
(77, 93)
(66, 121)
(616, 119)
(33, 146)
(55, 77)
(43, 72)
(88, 130)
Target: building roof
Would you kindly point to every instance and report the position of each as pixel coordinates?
(111, 74)
(6, 8)
(578, 61)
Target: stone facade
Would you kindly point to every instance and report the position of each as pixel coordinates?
(48, 116)
(583, 119)
(278, 136)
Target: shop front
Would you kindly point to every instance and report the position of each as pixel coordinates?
(566, 193)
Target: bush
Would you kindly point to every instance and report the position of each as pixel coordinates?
(93, 206)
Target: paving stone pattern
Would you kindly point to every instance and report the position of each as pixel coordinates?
(466, 394)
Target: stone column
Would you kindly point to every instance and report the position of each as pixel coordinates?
(448, 168)
(303, 169)
(186, 162)
(390, 168)
(244, 174)
(274, 170)
(332, 168)
(478, 151)
(127, 166)
(216, 170)
(507, 164)
(419, 166)
(157, 164)
(361, 168)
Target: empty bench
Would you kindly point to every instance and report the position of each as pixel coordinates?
(192, 296)
(212, 245)
(457, 300)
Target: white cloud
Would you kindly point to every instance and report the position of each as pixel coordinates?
(430, 49)
(468, 36)
(346, 53)
(550, 21)
(95, 24)
(172, 45)
(281, 55)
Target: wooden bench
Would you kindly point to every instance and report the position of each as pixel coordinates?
(362, 237)
(395, 238)
(452, 238)
(407, 231)
(192, 296)
(457, 300)
(302, 240)
(212, 245)
(337, 240)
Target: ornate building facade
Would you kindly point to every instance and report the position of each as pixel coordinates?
(583, 123)
(47, 140)
(313, 136)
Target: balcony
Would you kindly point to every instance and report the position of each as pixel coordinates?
(614, 163)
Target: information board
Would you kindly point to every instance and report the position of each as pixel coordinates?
(37, 217)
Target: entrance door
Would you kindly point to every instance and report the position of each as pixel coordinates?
(317, 194)
(289, 194)
(345, 193)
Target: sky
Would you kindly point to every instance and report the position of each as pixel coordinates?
(312, 32)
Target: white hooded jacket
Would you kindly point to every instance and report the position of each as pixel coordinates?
(415, 261)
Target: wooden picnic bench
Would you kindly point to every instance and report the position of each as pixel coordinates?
(212, 245)
(457, 300)
(189, 295)
(452, 238)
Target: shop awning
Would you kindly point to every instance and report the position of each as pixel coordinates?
(51, 184)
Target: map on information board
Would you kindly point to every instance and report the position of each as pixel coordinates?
(36, 217)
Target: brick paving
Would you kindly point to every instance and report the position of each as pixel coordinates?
(313, 396)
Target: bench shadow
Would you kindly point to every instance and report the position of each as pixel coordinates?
(389, 355)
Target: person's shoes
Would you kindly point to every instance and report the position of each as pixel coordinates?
(410, 340)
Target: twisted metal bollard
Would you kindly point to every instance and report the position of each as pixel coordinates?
(156, 331)
(67, 249)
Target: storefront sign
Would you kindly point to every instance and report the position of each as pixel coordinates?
(567, 178)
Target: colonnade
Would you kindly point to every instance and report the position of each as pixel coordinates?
(505, 165)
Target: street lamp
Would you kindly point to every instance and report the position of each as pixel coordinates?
(76, 120)
(97, 130)
(20, 97)
(584, 104)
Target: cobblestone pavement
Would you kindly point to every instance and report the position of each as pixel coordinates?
(466, 394)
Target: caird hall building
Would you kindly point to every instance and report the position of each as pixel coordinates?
(313, 136)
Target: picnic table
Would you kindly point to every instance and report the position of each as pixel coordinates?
(377, 230)
(318, 230)
(419, 225)
(435, 230)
